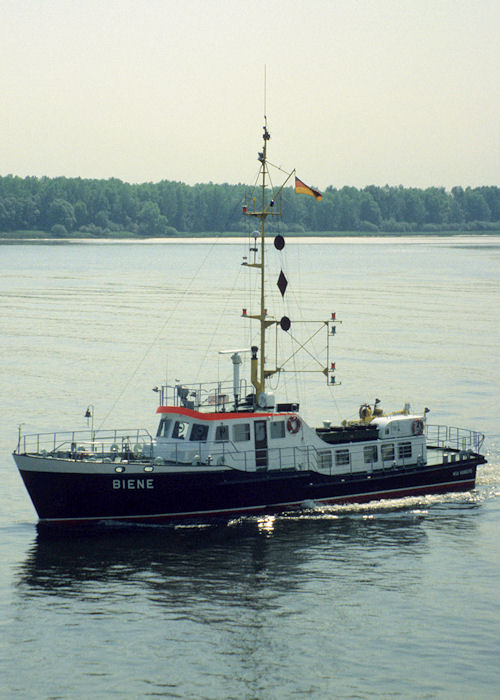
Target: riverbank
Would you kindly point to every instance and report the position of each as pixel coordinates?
(27, 236)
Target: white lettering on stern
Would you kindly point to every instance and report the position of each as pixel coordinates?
(462, 472)
(133, 484)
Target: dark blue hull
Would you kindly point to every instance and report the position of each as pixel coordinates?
(66, 498)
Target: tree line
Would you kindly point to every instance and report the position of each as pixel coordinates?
(64, 206)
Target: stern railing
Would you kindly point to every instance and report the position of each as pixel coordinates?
(450, 437)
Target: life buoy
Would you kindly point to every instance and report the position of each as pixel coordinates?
(417, 427)
(293, 424)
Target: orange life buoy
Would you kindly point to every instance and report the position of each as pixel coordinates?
(293, 424)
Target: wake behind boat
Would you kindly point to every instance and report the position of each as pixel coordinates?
(224, 449)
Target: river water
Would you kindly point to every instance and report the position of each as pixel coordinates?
(393, 600)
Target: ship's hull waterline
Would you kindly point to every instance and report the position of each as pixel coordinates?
(80, 496)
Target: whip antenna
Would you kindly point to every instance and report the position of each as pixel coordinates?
(265, 94)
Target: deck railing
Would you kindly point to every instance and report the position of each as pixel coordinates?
(139, 445)
(129, 445)
(87, 442)
(450, 437)
(203, 396)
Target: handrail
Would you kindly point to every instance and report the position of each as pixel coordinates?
(116, 444)
(201, 396)
(461, 439)
(74, 440)
(138, 444)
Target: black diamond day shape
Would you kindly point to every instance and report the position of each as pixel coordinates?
(282, 283)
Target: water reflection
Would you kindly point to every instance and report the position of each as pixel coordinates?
(205, 561)
(242, 597)
(266, 524)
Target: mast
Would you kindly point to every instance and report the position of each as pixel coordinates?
(261, 210)
(262, 375)
(258, 370)
(260, 385)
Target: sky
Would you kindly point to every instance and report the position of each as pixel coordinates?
(356, 92)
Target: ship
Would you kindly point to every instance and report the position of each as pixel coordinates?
(230, 449)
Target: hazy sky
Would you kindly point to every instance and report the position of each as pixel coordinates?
(359, 92)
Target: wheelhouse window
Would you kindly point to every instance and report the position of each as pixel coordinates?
(241, 432)
(404, 450)
(277, 429)
(341, 458)
(199, 432)
(387, 452)
(370, 454)
(324, 459)
(164, 427)
(222, 433)
(180, 430)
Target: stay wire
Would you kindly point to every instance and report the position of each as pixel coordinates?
(160, 332)
(221, 316)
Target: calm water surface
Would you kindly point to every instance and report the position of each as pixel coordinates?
(394, 600)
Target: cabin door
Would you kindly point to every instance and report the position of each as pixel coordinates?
(260, 434)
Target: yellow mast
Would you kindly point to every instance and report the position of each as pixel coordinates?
(258, 371)
(261, 381)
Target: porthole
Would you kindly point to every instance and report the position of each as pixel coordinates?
(148, 468)
(119, 469)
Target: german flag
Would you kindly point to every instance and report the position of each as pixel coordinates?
(302, 188)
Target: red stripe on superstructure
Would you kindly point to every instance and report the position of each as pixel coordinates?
(213, 416)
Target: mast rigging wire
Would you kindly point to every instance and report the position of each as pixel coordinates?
(160, 332)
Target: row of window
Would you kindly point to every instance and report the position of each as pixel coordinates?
(370, 455)
(241, 433)
(199, 431)
(388, 452)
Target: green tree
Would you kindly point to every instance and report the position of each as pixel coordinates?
(436, 205)
(475, 207)
(369, 210)
(61, 212)
(414, 210)
(81, 213)
(151, 222)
